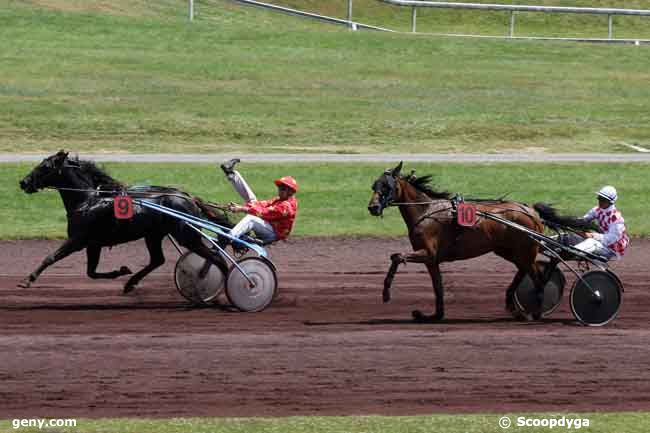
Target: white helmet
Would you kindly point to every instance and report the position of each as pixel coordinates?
(608, 193)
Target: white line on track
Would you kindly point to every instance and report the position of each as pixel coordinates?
(635, 147)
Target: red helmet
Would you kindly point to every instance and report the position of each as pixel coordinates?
(287, 181)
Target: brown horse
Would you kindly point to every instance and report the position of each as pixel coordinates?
(436, 236)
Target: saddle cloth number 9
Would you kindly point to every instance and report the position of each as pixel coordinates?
(123, 207)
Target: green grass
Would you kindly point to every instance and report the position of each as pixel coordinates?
(631, 422)
(333, 197)
(123, 77)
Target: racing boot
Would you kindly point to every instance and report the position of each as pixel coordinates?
(228, 167)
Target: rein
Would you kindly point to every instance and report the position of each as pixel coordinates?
(118, 192)
(415, 203)
(430, 214)
(143, 194)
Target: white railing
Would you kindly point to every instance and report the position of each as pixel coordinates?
(610, 12)
(348, 23)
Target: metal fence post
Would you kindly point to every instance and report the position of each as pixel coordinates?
(350, 12)
(414, 15)
(191, 10)
(511, 32)
(610, 25)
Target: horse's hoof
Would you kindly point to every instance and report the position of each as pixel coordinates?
(518, 314)
(397, 258)
(124, 270)
(537, 315)
(24, 284)
(420, 317)
(128, 289)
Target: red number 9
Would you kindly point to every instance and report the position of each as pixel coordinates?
(123, 207)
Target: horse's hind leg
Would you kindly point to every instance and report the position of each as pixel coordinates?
(157, 259)
(538, 280)
(510, 292)
(194, 242)
(92, 254)
(69, 246)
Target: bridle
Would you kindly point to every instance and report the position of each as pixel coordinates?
(386, 200)
(55, 171)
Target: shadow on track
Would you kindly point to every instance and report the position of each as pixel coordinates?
(120, 307)
(444, 322)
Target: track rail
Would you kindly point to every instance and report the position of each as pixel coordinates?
(348, 23)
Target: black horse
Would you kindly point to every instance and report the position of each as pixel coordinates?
(87, 193)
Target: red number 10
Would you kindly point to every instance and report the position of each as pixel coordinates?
(466, 214)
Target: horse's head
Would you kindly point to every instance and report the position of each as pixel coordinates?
(47, 173)
(385, 190)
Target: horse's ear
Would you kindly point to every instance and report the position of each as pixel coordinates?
(398, 169)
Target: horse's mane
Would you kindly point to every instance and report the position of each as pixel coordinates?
(104, 182)
(423, 184)
(98, 176)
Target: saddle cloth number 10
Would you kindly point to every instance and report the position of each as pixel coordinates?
(466, 215)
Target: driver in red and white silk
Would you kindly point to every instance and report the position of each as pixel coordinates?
(272, 219)
(613, 240)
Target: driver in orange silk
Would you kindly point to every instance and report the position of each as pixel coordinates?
(272, 219)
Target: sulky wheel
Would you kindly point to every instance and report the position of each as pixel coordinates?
(526, 295)
(596, 309)
(198, 280)
(265, 284)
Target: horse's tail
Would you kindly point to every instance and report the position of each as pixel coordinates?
(213, 213)
(551, 218)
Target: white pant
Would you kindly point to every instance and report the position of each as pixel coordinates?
(591, 245)
(241, 186)
(263, 229)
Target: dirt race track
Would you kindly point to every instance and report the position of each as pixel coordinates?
(75, 347)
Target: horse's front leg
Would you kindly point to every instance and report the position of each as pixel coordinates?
(92, 254)
(396, 260)
(69, 246)
(436, 281)
(419, 256)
